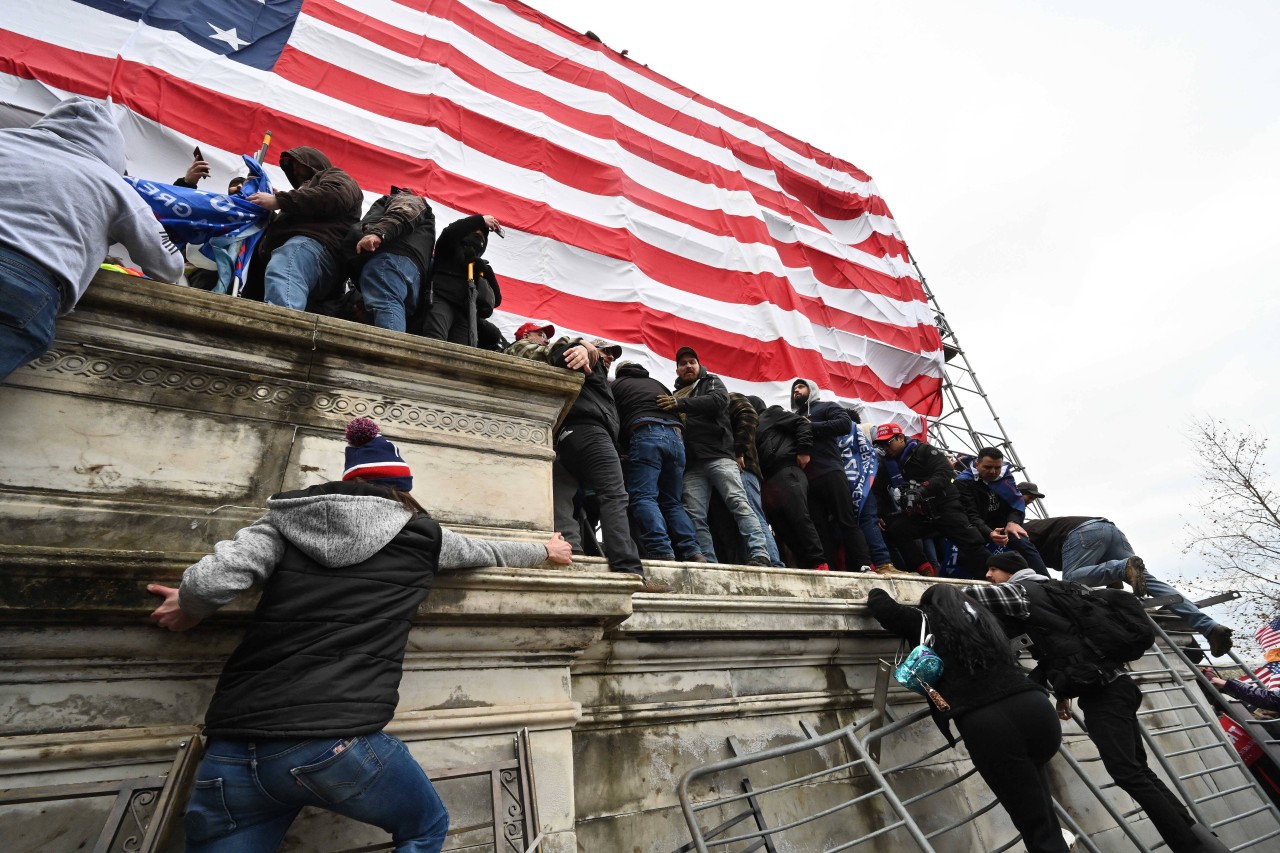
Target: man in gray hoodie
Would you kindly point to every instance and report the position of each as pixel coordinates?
(65, 203)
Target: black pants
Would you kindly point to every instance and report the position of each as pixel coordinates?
(950, 521)
(1111, 715)
(785, 498)
(1010, 742)
(447, 321)
(586, 450)
(831, 507)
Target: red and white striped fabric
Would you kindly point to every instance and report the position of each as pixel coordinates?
(635, 209)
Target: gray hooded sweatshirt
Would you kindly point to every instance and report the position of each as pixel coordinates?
(334, 530)
(65, 200)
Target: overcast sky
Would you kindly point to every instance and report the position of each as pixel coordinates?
(1089, 188)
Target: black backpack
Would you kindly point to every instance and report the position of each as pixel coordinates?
(1087, 634)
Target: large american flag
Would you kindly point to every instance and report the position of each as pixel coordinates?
(635, 209)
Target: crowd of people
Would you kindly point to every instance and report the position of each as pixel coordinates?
(668, 468)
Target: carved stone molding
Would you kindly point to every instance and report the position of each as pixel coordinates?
(156, 373)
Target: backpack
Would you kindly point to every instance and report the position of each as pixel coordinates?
(1088, 634)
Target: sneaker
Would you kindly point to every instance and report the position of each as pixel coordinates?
(822, 567)
(697, 558)
(927, 570)
(654, 587)
(761, 560)
(1069, 838)
(1135, 574)
(1219, 638)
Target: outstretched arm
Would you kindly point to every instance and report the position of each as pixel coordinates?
(466, 552)
(235, 565)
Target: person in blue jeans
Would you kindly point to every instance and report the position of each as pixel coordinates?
(298, 715)
(1092, 551)
(654, 467)
(298, 260)
(65, 203)
(397, 236)
(701, 400)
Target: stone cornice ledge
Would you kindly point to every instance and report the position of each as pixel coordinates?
(182, 307)
(78, 586)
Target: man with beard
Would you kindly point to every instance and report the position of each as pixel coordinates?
(703, 401)
(995, 506)
(298, 260)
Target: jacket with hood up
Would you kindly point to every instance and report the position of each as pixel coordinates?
(830, 421)
(459, 245)
(344, 567)
(705, 405)
(66, 201)
(324, 207)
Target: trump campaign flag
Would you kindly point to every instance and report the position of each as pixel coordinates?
(227, 227)
(636, 210)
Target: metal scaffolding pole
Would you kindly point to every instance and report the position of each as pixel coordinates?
(969, 420)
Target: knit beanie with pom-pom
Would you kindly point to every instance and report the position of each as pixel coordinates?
(371, 457)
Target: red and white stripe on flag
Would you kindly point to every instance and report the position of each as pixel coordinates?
(636, 210)
(1269, 675)
(1268, 636)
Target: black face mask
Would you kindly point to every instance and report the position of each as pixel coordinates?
(473, 246)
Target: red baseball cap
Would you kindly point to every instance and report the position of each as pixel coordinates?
(884, 432)
(535, 326)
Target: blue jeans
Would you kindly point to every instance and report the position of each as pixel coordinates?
(29, 303)
(389, 284)
(751, 483)
(723, 476)
(655, 487)
(1095, 553)
(869, 521)
(247, 794)
(300, 270)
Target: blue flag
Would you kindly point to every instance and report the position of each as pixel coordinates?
(228, 226)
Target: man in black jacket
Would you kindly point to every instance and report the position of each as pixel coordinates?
(784, 442)
(460, 248)
(917, 497)
(995, 506)
(399, 231)
(830, 501)
(654, 447)
(299, 258)
(586, 448)
(703, 402)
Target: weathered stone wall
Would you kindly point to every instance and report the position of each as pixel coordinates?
(161, 421)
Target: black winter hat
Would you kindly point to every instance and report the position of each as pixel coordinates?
(1010, 561)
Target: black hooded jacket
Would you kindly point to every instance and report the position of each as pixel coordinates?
(830, 421)
(459, 245)
(707, 434)
(636, 394)
(324, 207)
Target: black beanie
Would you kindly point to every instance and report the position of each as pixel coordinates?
(1010, 561)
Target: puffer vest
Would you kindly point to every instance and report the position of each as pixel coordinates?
(324, 654)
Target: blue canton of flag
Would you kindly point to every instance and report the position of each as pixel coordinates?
(1268, 635)
(250, 31)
